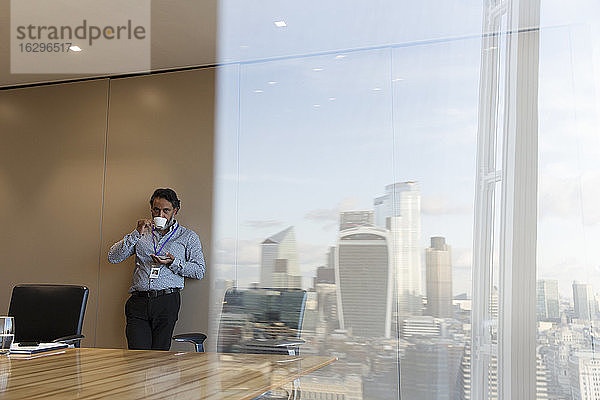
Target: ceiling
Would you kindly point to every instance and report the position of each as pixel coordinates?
(183, 34)
(187, 33)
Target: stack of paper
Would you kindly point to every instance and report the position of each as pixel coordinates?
(16, 349)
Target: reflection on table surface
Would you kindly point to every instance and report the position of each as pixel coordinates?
(115, 373)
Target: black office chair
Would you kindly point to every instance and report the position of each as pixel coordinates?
(48, 313)
(257, 321)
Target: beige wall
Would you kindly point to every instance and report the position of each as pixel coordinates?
(51, 173)
(160, 135)
(62, 206)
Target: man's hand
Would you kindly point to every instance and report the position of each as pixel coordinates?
(168, 259)
(143, 225)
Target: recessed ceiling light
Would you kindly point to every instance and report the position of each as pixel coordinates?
(280, 24)
(272, 82)
(258, 90)
(317, 69)
(397, 79)
(331, 99)
(376, 89)
(316, 105)
(75, 48)
(339, 56)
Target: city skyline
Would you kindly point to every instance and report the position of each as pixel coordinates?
(307, 136)
(359, 217)
(431, 140)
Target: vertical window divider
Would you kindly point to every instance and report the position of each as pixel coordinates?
(486, 179)
(518, 230)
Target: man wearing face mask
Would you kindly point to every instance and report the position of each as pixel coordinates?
(165, 253)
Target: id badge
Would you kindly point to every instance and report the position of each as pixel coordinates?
(154, 272)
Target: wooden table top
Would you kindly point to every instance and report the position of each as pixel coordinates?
(139, 374)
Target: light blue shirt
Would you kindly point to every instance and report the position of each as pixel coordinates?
(185, 245)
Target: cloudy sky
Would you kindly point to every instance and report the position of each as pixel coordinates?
(318, 116)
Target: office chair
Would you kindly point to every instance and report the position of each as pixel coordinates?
(48, 313)
(257, 321)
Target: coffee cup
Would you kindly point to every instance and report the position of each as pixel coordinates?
(160, 222)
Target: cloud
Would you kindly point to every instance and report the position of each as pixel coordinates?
(566, 270)
(462, 257)
(456, 114)
(246, 251)
(310, 256)
(265, 178)
(439, 205)
(348, 204)
(461, 281)
(323, 214)
(332, 214)
(567, 195)
(258, 224)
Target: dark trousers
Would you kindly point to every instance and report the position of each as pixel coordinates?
(150, 321)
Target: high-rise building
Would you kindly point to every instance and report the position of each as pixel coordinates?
(364, 279)
(279, 261)
(325, 275)
(327, 304)
(583, 301)
(399, 211)
(584, 375)
(352, 219)
(421, 327)
(311, 313)
(464, 377)
(547, 300)
(494, 303)
(331, 257)
(438, 267)
(430, 370)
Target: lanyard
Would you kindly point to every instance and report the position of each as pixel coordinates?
(161, 247)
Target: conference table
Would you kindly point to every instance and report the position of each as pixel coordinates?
(91, 373)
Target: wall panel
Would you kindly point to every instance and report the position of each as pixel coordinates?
(51, 176)
(160, 135)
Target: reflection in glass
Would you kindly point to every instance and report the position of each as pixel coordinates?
(350, 174)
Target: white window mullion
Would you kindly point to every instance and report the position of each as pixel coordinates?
(518, 234)
(487, 178)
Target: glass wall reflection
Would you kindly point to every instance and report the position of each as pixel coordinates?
(568, 283)
(345, 167)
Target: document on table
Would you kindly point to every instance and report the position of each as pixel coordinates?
(15, 349)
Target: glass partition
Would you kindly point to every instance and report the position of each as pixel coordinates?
(345, 166)
(568, 195)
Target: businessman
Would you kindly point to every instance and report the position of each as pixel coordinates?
(165, 252)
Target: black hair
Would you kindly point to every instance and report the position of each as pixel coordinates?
(167, 194)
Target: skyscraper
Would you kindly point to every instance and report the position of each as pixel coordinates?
(330, 260)
(352, 219)
(547, 300)
(583, 301)
(584, 374)
(279, 261)
(399, 211)
(430, 370)
(325, 275)
(438, 264)
(365, 281)
(464, 377)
